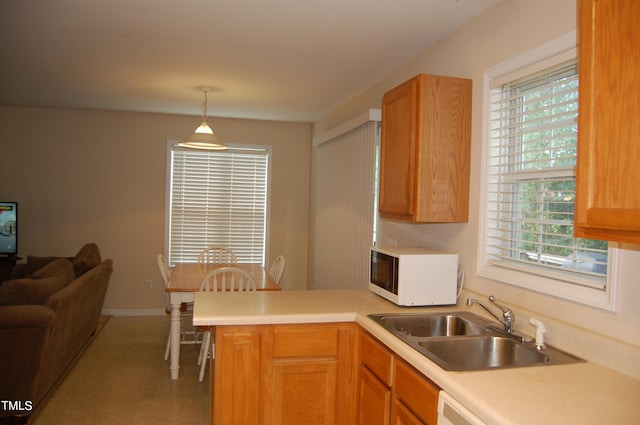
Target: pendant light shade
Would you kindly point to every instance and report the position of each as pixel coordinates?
(203, 138)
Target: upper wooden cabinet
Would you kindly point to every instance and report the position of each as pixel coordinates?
(425, 150)
(608, 168)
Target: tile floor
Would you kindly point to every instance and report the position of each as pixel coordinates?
(122, 378)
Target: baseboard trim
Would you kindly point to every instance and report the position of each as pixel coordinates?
(134, 312)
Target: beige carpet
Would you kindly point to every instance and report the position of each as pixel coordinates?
(122, 378)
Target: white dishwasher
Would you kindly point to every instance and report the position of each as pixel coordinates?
(450, 412)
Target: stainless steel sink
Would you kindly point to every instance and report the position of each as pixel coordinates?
(481, 353)
(463, 341)
(432, 325)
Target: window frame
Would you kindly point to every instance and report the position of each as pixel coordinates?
(545, 56)
(170, 147)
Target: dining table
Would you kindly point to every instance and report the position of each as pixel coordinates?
(185, 281)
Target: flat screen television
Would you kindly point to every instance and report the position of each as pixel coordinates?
(8, 228)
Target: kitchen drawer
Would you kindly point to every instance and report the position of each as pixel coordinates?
(376, 358)
(305, 341)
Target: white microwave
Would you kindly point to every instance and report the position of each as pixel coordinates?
(414, 276)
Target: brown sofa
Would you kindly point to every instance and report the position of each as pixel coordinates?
(48, 313)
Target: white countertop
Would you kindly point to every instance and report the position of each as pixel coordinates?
(271, 307)
(583, 393)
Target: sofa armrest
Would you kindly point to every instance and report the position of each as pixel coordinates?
(25, 316)
(24, 331)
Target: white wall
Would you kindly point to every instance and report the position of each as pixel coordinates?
(508, 29)
(98, 176)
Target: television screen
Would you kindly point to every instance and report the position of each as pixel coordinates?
(8, 228)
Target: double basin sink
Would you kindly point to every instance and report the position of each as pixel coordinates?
(463, 341)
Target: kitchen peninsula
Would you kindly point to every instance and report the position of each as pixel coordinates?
(271, 338)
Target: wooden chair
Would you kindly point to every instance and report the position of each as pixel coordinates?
(217, 255)
(186, 312)
(277, 268)
(222, 279)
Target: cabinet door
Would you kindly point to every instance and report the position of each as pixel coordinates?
(310, 374)
(399, 150)
(608, 174)
(445, 150)
(302, 392)
(401, 415)
(374, 400)
(238, 374)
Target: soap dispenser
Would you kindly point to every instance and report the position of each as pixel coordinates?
(540, 331)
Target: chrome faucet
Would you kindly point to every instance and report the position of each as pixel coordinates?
(507, 317)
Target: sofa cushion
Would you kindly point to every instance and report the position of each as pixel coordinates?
(61, 267)
(30, 291)
(87, 258)
(33, 264)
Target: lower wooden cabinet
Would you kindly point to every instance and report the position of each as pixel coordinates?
(390, 391)
(236, 375)
(374, 382)
(314, 374)
(374, 399)
(285, 374)
(415, 393)
(302, 391)
(402, 415)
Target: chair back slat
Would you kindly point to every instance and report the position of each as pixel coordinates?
(277, 268)
(228, 278)
(217, 255)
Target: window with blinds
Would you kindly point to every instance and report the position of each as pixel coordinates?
(531, 180)
(218, 198)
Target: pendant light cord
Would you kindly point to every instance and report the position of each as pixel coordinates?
(204, 107)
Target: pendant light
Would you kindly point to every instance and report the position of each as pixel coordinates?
(203, 138)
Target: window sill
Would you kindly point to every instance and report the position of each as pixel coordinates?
(602, 299)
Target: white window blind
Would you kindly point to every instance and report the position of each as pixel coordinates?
(218, 198)
(531, 180)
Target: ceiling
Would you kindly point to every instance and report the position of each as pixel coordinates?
(289, 60)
